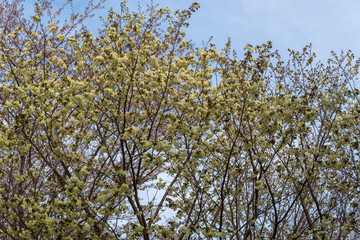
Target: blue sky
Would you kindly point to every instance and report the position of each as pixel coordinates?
(327, 24)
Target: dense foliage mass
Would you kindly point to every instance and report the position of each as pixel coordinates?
(137, 134)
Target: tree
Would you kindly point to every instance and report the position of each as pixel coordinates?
(124, 135)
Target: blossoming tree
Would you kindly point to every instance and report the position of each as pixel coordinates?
(124, 134)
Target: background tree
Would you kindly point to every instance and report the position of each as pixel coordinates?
(124, 135)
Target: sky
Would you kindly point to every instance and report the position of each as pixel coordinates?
(327, 24)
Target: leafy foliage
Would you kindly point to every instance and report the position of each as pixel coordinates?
(126, 136)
